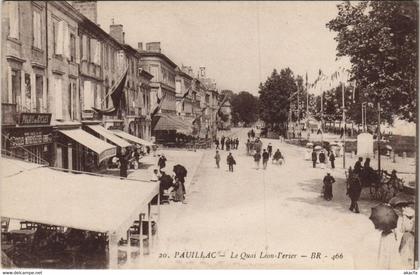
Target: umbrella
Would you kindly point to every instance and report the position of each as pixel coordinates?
(318, 147)
(180, 171)
(384, 217)
(401, 198)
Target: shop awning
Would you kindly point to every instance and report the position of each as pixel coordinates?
(102, 148)
(132, 138)
(81, 201)
(169, 122)
(109, 136)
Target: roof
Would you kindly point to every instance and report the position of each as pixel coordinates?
(158, 54)
(132, 138)
(168, 122)
(102, 148)
(81, 201)
(109, 135)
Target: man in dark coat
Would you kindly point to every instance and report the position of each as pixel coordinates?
(237, 143)
(328, 191)
(332, 159)
(265, 157)
(222, 142)
(269, 149)
(354, 190)
(216, 141)
(124, 160)
(314, 158)
(165, 182)
(162, 161)
(322, 157)
(230, 161)
(358, 166)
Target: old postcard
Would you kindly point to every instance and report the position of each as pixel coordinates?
(208, 135)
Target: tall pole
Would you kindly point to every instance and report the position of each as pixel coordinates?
(379, 138)
(307, 97)
(344, 122)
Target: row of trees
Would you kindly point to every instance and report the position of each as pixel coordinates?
(380, 38)
(244, 106)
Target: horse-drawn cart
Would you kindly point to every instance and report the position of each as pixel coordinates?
(382, 186)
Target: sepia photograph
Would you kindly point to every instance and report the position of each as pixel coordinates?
(209, 135)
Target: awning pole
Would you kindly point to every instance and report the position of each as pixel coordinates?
(141, 235)
(149, 232)
(113, 250)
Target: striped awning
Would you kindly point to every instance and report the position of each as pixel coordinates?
(172, 123)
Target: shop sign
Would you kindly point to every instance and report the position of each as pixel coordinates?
(34, 119)
(29, 137)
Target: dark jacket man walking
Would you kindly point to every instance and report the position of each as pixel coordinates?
(314, 158)
(332, 159)
(265, 157)
(230, 161)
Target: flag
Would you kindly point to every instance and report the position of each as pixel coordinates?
(159, 102)
(116, 94)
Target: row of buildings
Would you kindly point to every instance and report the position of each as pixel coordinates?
(60, 73)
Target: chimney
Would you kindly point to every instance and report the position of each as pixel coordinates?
(202, 72)
(153, 47)
(88, 8)
(140, 46)
(116, 31)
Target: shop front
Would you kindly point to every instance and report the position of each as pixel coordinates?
(30, 139)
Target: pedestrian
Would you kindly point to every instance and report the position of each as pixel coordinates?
(124, 159)
(216, 141)
(257, 158)
(353, 191)
(328, 191)
(180, 174)
(358, 166)
(269, 149)
(341, 132)
(162, 162)
(136, 156)
(217, 158)
(314, 158)
(227, 143)
(165, 184)
(276, 157)
(230, 161)
(237, 143)
(332, 159)
(148, 150)
(322, 159)
(265, 157)
(222, 142)
(154, 149)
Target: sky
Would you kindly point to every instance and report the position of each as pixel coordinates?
(239, 43)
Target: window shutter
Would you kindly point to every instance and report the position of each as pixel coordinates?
(77, 49)
(84, 47)
(66, 40)
(14, 19)
(58, 98)
(99, 53)
(92, 50)
(87, 95)
(59, 38)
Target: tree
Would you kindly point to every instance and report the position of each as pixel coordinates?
(380, 37)
(244, 108)
(274, 98)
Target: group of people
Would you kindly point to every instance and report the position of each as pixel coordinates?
(322, 157)
(230, 160)
(170, 187)
(267, 153)
(226, 142)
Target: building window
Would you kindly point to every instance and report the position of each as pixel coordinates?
(28, 95)
(106, 56)
(15, 89)
(58, 88)
(72, 47)
(39, 90)
(37, 28)
(61, 39)
(14, 19)
(178, 86)
(154, 70)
